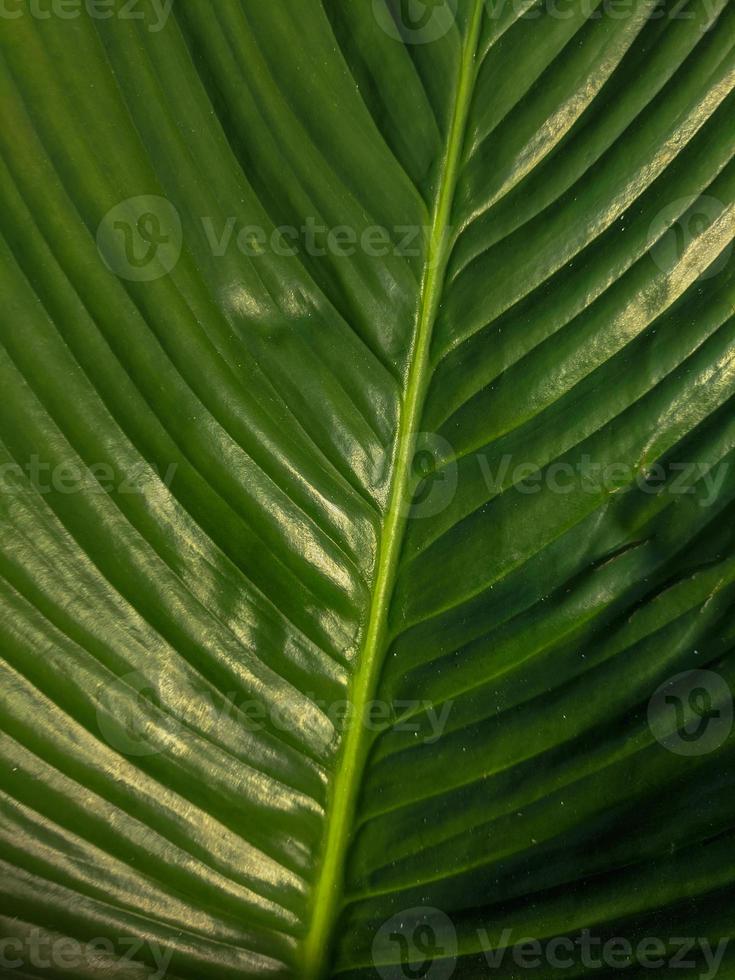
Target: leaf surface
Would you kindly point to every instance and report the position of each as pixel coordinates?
(366, 452)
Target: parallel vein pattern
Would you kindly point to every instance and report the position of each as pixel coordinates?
(538, 620)
(477, 466)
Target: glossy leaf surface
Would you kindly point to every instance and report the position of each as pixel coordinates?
(367, 472)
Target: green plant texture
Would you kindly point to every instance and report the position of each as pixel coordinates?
(367, 489)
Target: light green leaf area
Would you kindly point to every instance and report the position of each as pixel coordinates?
(367, 487)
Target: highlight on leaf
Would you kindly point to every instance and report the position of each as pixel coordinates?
(367, 489)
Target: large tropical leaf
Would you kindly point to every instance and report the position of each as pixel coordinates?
(367, 488)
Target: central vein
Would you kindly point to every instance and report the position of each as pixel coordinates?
(328, 891)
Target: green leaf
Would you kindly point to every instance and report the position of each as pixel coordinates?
(367, 488)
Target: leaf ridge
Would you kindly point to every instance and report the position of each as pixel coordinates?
(328, 890)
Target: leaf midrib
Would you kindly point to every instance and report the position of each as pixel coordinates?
(329, 887)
